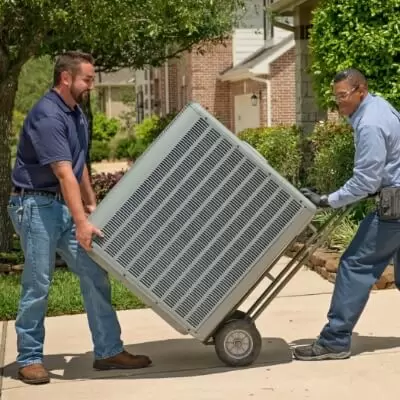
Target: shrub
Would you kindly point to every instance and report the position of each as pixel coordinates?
(281, 148)
(132, 146)
(104, 182)
(104, 128)
(363, 34)
(123, 146)
(333, 156)
(99, 151)
(253, 136)
(129, 148)
(333, 161)
(150, 128)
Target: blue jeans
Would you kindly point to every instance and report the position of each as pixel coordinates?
(45, 227)
(361, 265)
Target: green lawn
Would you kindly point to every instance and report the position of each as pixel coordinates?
(64, 298)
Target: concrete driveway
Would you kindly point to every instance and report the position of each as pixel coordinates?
(186, 369)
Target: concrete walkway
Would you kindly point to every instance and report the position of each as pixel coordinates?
(186, 369)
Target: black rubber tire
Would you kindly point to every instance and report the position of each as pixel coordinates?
(238, 343)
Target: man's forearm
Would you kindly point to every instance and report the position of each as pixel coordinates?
(87, 193)
(72, 195)
(342, 198)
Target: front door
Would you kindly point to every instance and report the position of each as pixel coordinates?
(246, 115)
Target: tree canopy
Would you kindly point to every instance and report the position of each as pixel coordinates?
(123, 33)
(364, 34)
(118, 33)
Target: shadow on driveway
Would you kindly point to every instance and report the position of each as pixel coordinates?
(171, 358)
(186, 358)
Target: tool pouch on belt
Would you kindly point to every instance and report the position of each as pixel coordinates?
(389, 204)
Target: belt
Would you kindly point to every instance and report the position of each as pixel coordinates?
(36, 192)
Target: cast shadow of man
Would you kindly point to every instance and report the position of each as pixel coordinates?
(186, 358)
(171, 358)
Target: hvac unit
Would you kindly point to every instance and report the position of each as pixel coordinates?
(194, 224)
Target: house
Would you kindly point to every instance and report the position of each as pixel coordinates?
(248, 82)
(115, 92)
(300, 11)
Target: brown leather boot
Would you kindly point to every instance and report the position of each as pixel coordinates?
(34, 374)
(123, 360)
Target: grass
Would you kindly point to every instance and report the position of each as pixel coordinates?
(342, 234)
(64, 298)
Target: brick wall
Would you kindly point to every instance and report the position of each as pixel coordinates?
(207, 89)
(173, 85)
(283, 88)
(194, 77)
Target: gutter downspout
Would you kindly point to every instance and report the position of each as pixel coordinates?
(267, 83)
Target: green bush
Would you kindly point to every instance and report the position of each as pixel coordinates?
(333, 149)
(129, 148)
(253, 136)
(123, 146)
(280, 146)
(104, 128)
(332, 144)
(363, 34)
(132, 146)
(150, 128)
(99, 151)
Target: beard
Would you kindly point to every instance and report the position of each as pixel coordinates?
(79, 96)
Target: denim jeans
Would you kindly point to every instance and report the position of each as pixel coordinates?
(361, 265)
(45, 227)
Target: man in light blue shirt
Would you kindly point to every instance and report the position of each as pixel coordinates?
(376, 127)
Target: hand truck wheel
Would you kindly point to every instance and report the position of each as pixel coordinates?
(238, 343)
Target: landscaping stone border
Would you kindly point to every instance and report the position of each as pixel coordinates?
(325, 263)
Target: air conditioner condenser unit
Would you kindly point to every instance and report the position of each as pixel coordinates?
(194, 224)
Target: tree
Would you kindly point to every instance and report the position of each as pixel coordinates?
(363, 34)
(124, 33)
(35, 79)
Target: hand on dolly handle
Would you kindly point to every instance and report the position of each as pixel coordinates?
(315, 198)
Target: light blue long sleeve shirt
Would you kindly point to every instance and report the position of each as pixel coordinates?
(376, 126)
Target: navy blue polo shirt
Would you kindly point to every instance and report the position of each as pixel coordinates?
(52, 131)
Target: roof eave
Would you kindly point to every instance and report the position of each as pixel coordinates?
(285, 6)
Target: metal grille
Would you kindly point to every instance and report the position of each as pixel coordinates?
(197, 224)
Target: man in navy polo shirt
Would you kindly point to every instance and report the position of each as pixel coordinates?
(51, 199)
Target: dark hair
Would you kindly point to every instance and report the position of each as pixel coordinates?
(354, 76)
(70, 61)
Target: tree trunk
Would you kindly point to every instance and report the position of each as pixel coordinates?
(8, 90)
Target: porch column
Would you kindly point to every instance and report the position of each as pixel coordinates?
(307, 111)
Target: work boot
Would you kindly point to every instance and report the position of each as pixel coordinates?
(316, 352)
(34, 374)
(123, 360)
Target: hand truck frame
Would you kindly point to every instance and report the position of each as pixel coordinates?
(237, 341)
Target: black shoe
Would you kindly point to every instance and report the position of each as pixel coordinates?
(316, 352)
